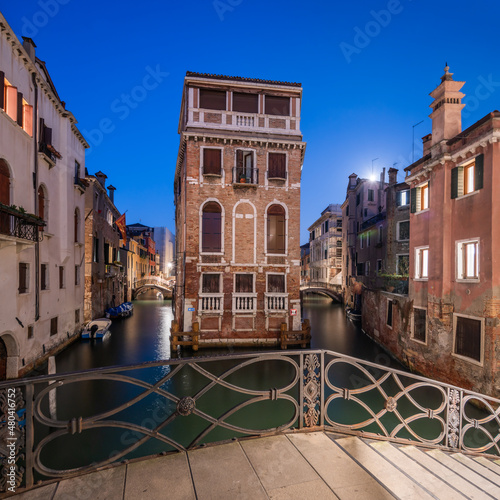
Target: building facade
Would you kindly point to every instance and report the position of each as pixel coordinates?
(42, 155)
(165, 246)
(325, 239)
(237, 197)
(454, 269)
(305, 261)
(104, 273)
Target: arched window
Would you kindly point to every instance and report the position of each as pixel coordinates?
(276, 229)
(42, 205)
(211, 237)
(76, 224)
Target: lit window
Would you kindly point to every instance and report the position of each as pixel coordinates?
(466, 179)
(468, 260)
(421, 262)
(420, 198)
(403, 198)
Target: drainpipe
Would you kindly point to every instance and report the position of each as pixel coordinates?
(35, 188)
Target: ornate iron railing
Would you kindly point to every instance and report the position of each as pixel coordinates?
(20, 225)
(153, 408)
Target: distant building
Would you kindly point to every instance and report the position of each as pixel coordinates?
(305, 260)
(165, 246)
(104, 273)
(42, 157)
(364, 220)
(237, 198)
(325, 239)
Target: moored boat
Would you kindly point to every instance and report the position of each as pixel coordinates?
(97, 329)
(353, 315)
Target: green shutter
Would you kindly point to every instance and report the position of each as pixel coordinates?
(478, 172)
(398, 199)
(454, 183)
(413, 200)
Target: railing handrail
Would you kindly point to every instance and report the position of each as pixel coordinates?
(310, 389)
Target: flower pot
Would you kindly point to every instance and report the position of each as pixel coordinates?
(242, 180)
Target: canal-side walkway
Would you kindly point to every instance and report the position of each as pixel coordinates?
(319, 465)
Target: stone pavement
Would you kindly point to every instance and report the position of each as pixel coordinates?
(318, 465)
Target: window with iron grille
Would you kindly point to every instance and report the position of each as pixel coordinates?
(419, 324)
(468, 333)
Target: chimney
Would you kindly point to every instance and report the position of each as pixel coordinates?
(101, 178)
(447, 108)
(426, 141)
(353, 181)
(29, 46)
(382, 178)
(393, 176)
(111, 193)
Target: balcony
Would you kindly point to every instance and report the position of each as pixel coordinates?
(237, 121)
(276, 302)
(211, 303)
(17, 224)
(243, 176)
(244, 303)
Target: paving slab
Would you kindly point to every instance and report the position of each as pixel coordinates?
(312, 489)
(151, 479)
(277, 462)
(43, 493)
(427, 479)
(342, 474)
(224, 472)
(450, 476)
(480, 481)
(395, 481)
(103, 485)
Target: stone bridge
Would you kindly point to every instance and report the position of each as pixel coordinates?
(165, 286)
(322, 288)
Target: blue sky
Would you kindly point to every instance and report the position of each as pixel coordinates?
(366, 68)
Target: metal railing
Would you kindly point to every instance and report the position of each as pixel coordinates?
(243, 175)
(158, 407)
(20, 225)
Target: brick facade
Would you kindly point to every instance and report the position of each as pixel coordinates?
(252, 316)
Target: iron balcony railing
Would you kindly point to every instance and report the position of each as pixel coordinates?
(20, 225)
(243, 175)
(158, 407)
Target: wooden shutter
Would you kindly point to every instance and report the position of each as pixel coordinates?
(20, 109)
(468, 338)
(277, 166)
(478, 172)
(454, 183)
(2, 90)
(23, 277)
(11, 102)
(28, 119)
(212, 161)
(244, 283)
(276, 229)
(413, 200)
(211, 237)
(277, 105)
(43, 276)
(4, 183)
(276, 283)
(398, 199)
(212, 99)
(47, 135)
(245, 103)
(210, 283)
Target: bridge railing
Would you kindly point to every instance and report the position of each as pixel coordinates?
(154, 408)
(154, 281)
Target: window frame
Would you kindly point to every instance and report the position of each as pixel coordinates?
(288, 113)
(276, 274)
(460, 187)
(461, 261)
(397, 263)
(62, 277)
(419, 262)
(412, 336)
(391, 307)
(399, 198)
(44, 284)
(220, 283)
(417, 204)
(268, 169)
(23, 288)
(201, 97)
(222, 219)
(246, 274)
(398, 230)
(476, 362)
(285, 230)
(202, 162)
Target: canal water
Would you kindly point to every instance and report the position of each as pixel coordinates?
(145, 337)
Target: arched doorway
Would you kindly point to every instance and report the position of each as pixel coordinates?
(3, 360)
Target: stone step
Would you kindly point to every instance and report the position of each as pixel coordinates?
(386, 473)
(467, 488)
(480, 481)
(494, 477)
(491, 464)
(426, 478)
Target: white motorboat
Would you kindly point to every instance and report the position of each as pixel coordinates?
(97, 329)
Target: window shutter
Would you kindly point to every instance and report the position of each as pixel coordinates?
(398, 199)
(212, 161)
(28, 119)
(245, 103)
(454, 183)
(11, 102)
(213, 99)
(20, 109)
(429, 193)
(47, 136)
(276, 283)
(413, 200)
(2, 89)
(478, 172)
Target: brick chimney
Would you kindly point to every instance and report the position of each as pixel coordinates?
(393, 176)
(111, 193)
(447, 108)
(29, 46)
(426, 141)
(101, 178)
